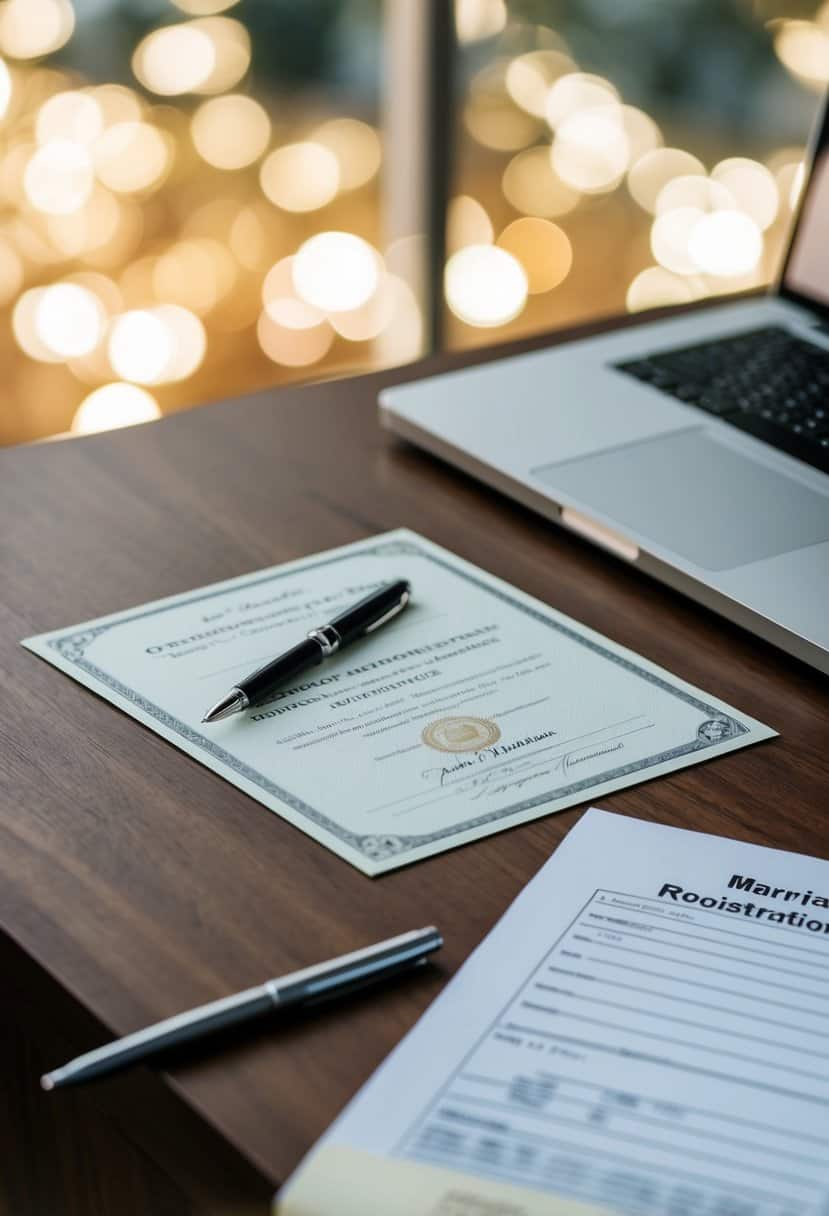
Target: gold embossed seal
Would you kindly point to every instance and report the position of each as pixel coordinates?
(460, 734)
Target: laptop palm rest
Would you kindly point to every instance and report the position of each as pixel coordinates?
(700, 498)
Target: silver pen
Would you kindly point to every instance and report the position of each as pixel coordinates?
(306, 987)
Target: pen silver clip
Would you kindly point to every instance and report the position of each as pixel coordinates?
(392, 612)
(327, 639)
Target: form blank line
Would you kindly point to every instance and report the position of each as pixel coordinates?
(819, 996)
(710, 912)
(668, 1017)
(744, 962)
(629, 1053)
(683, 1000)
(661, 975)
(666, 1038)
(602, 1129)
(736, 1120)
(651, 1167)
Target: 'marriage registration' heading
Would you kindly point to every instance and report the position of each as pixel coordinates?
(774, 915)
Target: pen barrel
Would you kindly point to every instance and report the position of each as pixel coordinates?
(355, 970)
(274, 676)
(305, 987)
(354, 622)
(164, 1036)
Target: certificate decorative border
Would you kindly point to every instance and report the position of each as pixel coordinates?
(72, 648)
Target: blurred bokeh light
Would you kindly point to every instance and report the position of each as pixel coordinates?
(628, 155)
(193, 204)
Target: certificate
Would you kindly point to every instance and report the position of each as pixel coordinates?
(476, 709)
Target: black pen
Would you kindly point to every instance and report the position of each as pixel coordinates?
(362, 618)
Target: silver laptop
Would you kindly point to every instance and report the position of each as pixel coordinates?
(696, 447)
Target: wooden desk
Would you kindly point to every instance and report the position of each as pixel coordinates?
(134, 882)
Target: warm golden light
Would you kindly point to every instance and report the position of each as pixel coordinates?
(530, 185)
(232, 52)
(82, 231)
(784, 164)
(293, 347)
(186, 191)
(281, 302)
(204, 8)
(542, 248)
(590, 151)
(652, 172)
(336, 271)
(119, 235)
(643, 135)
(69, 320)
(70, 115)
(374, 318)
(492, 117)
(575, 92)
(11, 272)
(196, 274)
(656, 288)
(693, 190)
(137, 283)
(188, 342)
(212, 219)
(402, 340)
(292, 313)
(5, 88)
(530, 77)
(114, 405)
(467, 223)
(140, 347)
(116, 103)
(101, 286)
(24, 327)
(58, 178)
(797, 183)
(175, 59)
(231, 132)
(32, 242)
(752, 188)
(726, 243)
(31, 28)
(485, 285)
(356, 146)
(803, 46)
(671, 236)
(249, 239)
(13, 165)
(131, 157)
(300, 177)
(479, 19)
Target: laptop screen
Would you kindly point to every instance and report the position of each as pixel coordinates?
(807, 268)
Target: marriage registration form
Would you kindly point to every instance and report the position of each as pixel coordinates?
(645, 1031)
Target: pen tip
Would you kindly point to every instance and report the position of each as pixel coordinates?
(46, 1082)
(231, 704)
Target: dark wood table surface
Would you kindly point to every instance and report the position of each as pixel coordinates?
(135, 883)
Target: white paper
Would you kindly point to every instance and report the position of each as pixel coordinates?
(476, 709)
(646, 1029)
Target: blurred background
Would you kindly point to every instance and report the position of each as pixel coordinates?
(203, 197)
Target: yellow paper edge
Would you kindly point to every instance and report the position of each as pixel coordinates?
(341, 1181)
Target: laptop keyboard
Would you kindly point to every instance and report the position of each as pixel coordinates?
(766, 382)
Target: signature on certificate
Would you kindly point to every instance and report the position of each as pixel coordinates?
(489, 778)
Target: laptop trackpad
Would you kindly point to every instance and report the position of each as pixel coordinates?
(700, 498)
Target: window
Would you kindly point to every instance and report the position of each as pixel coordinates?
(204, 197)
